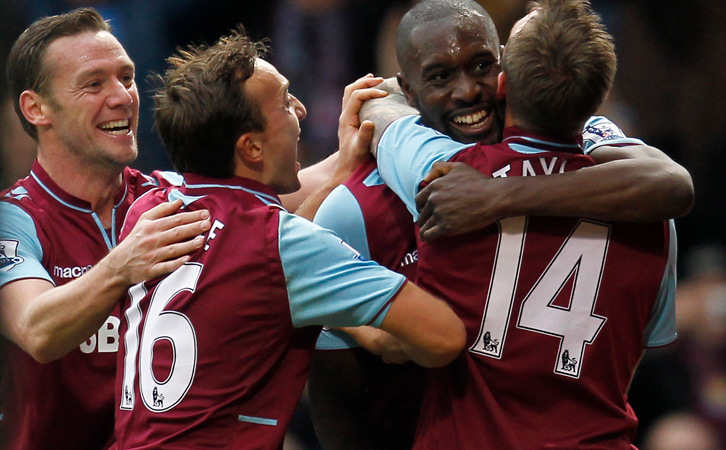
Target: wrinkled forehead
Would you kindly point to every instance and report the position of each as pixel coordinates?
(450, 37)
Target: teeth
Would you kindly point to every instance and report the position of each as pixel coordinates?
(116, 127)
(470, 118)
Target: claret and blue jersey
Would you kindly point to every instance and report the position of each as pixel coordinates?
(557, 310)
(48, 234)
(216, 354)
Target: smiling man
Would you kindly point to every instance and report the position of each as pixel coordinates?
(61, 272)
(449, 70)
(243, 315)
(449, 55)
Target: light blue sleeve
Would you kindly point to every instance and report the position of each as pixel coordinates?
(328, 282)
(599, 131)
(341, 213)
(21, 254)
(406, 151)
(335, 340)
(661, 329)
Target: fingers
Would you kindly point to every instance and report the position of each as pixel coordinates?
(165, 267)
(431, 231)
(365, 134)
(349, 115)
(162, 210)
(439, 169)
(198, 219)
(428, 226)
(366, 81)
(183, 232)
(421, 204)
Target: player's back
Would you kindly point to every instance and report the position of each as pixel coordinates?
(219, 361)
(556, 310)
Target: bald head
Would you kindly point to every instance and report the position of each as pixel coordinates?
(467, 12)
(448, 52)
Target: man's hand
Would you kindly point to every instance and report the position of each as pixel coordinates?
(354, 143)
(354, 136)
(458, 199)
(159, 243)
(48, 321)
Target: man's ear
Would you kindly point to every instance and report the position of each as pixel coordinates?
(35, 108)
(249, 148)
(406, 88)
(501, 86)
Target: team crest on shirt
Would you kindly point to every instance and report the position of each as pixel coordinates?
(9, 255)
(601, 132)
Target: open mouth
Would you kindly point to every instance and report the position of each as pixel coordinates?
(116, 127)
(473, 122)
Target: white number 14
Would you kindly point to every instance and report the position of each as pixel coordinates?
(581, 258)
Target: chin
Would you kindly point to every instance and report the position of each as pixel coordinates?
(287, 188)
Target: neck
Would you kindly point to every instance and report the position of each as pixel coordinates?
(96, 185)
(511, 120)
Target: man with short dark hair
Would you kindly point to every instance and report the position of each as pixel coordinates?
(62, 272)
(216, 354)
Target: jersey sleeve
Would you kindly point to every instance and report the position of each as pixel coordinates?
(406, 152)
(21, 253)
(335, 340)
(328, 282)
(341, 214)
(599, 131)
(661, 329)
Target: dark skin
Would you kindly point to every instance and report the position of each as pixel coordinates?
(450, 72)
(451, 78)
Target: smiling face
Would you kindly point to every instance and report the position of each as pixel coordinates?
(92, 100)
(450, 75)
(282, 112)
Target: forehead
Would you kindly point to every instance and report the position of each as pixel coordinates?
(451, 37)
(266, 82)
(85, 52)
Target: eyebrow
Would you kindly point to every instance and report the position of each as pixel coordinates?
(99, 70)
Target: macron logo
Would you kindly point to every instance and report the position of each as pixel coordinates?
(70, 272)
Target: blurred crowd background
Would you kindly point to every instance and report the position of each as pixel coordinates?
(670, 91)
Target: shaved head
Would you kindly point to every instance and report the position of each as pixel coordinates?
(431, 10)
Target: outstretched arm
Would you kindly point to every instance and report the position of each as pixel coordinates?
(431, 334)
(48, 322)
(635, 183)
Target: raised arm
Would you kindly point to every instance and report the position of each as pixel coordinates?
(383, 111)
(354, 136)
(635, 183)
(47, 321)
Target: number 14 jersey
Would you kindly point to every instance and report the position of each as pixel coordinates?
(557, 312)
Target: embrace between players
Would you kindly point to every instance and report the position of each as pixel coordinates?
(535, 312)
